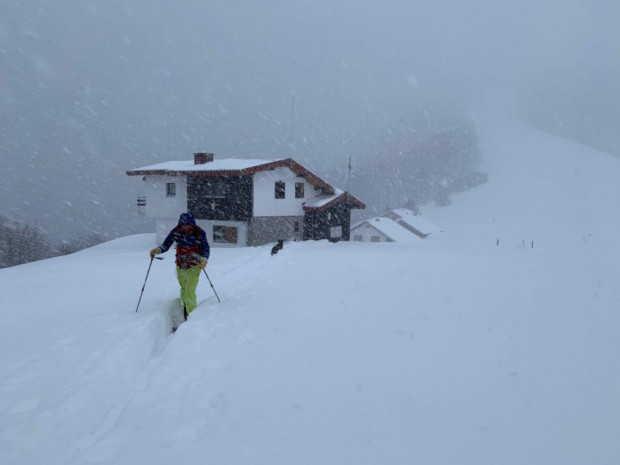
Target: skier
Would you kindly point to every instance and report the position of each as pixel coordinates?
(191, 256)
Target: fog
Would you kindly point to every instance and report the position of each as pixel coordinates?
(89, 89)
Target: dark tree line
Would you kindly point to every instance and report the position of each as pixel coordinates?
(24, 243)
(441, 164)
(425, 158)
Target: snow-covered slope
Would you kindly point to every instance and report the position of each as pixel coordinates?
(452, 350)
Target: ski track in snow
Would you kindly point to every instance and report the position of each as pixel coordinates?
(102, 446)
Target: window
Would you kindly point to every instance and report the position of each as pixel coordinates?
(280, 189)
(335, 231)
(358, 238)
(225, 234)
(216, 188)
(375, 239)
(171, 189)
(299, 190)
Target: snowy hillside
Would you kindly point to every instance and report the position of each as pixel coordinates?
(452, 350)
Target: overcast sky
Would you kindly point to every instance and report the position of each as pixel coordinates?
(117, 84)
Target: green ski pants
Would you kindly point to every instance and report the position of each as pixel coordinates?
(188, 279)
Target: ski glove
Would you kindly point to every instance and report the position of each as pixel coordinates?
(203, 263)
(155, 251)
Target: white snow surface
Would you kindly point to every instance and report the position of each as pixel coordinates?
(451, 350)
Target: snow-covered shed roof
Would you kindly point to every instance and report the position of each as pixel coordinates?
(416, 223)
(390, 228)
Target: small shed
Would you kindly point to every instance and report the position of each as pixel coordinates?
(398, 225)
(413, 222)
(382, 229)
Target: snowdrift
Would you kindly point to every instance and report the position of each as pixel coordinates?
(495, 342)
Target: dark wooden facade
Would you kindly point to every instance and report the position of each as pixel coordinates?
(318, 224)
(224, 198)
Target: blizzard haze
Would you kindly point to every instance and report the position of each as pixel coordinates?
(493, 342)
(89, 89)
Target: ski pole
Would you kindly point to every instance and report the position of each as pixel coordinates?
(218, 297)
(147, 277)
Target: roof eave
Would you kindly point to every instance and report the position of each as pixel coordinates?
(309, 176)
(192, 173)
(148, 173)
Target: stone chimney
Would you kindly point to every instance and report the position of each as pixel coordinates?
(200, 158)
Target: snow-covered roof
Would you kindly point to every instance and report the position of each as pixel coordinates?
(417, 222)
(229, 167)
(188, 166)
(323, 202)
(390, 228)
(242, 167)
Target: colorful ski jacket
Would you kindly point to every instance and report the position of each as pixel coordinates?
(192, 244)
